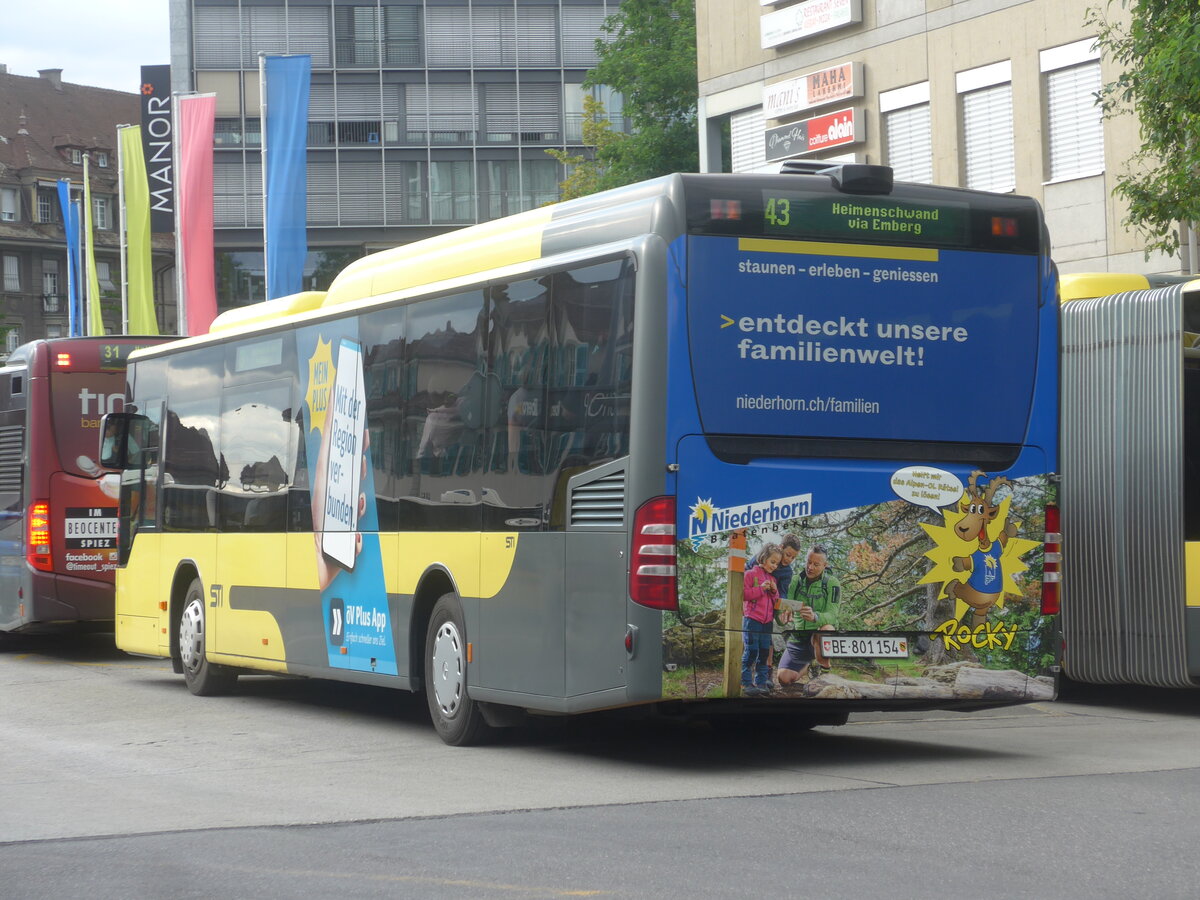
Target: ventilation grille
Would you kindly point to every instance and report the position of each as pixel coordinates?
(12, 439)
(599, 502)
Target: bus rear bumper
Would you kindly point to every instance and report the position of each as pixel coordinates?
(929, 676)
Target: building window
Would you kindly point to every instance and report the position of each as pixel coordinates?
(45, 203)
(1074, 121)
(361, 32)
(75, 155)
(907, 132)
(12, 340)
(611, 101)
(9, 204)
(747, 149)
(54, 331)
(989, 161)
(102, 159)
(100, 212)
(451, 191)
(50, 282)
(104, 276)
(12, 272)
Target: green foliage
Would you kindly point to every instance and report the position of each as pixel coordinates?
(703, 579)
(1032, 651)
(586, 171)
(651, 61)
(1158, 51)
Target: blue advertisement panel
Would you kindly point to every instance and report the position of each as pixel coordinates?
(801, 338)
(358, 627)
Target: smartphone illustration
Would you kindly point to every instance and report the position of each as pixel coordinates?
(346, 421)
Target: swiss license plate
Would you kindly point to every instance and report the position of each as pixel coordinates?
(844, 645)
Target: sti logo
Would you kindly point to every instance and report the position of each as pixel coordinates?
(104, 403)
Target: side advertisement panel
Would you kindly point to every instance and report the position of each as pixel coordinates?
(358, 630)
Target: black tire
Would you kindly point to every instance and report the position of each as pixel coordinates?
(457, 718)
(204, 679)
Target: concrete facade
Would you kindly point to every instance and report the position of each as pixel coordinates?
(936, 46)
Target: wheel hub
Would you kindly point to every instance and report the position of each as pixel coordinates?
(447, 669)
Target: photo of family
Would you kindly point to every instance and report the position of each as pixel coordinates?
(910, 597)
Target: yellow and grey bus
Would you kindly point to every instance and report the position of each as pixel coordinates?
(1131, 479)
(750, 444)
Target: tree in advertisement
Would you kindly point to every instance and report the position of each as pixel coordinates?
(1156, 45)
(650, 59)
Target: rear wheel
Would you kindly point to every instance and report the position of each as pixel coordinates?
(458, 719)
(203, 678)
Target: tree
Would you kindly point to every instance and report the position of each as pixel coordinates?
(651, 61)
(1157, 47)
(586, 171)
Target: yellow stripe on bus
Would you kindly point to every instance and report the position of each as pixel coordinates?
(818, 248)
(1191, 568)
(479, 248)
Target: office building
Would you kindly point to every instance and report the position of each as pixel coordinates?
(424, 115)
(990, 94)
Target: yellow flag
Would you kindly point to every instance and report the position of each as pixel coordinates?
(95, 319)
(138, 272)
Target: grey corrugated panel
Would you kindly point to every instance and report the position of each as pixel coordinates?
(1122, 489)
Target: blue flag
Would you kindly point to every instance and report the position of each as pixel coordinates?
(286, 80)
(70, 214)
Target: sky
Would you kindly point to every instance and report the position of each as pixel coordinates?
(102, 43)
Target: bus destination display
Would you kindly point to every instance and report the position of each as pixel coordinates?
(845, 217)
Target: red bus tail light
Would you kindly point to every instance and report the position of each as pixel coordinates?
(37, 547)
(1052, 563)
(652, 555)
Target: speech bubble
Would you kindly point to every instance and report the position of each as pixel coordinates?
(927, 486)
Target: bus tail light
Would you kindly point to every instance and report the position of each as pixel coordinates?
(37, 547)
(1052, 563)
(652, 555)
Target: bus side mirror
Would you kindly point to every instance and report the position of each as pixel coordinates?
(122, 440)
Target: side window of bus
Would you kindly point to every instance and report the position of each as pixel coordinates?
(590, 370)
(257, 456)
(257, 453)
(147, 506)
(517, 480)
(386, 389)
(441, 432)
(191, 470)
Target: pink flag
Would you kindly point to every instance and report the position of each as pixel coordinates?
(194, 143)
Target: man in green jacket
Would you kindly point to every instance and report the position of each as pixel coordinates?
(814, 599)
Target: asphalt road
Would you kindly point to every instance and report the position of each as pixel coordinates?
(118, 783)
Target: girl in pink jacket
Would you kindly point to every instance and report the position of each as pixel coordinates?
(760, 600)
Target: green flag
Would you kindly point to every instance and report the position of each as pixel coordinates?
(94, 317)
(136, 191)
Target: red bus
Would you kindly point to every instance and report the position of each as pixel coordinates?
(58, 508)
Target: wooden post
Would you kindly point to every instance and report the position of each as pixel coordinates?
(733, 614)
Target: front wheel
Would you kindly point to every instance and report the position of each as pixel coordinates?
(203, 678)
(458, 719)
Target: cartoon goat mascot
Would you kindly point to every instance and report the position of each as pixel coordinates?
(985, 584)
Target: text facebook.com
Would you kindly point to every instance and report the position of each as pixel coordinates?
(857, 405)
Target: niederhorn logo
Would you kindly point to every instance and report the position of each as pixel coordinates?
(707, 520)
